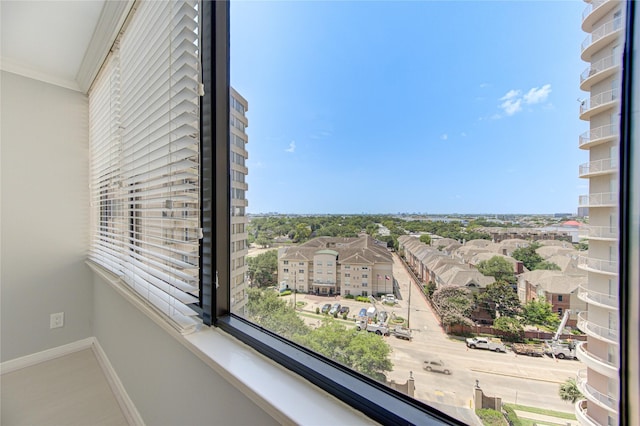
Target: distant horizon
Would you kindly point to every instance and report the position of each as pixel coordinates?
(488, 215)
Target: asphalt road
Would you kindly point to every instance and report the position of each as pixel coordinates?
(516, 379)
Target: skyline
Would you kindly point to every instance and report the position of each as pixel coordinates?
(403, 124)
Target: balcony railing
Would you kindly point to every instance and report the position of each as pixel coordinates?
(592, 7)
(599, 99)
(598, 199)
(601, 65)
(596, 363)
(598, 265)
(604, 232)
(582, 416)
(601, 32)
(599, 166)
(594, 297)
(605, 401)
(602, 132)
(595, 330)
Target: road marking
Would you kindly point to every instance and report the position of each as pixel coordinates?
(518, 376)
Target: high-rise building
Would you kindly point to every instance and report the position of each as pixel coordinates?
(602, 49)
(238, 139)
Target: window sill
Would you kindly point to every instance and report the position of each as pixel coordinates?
(269, 385)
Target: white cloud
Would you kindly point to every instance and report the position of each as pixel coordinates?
(513, 93)
(510, 106)
(537, 95)
(292, 147)
(483, 85)
(444, 137)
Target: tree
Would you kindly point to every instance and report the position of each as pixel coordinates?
(363, 352)
(548, 266)
(569, 391)
(539, 313)
(267, 310)
(511, 327)
(263, 268)
(528, 256)
(454, 304)
(499, 268)
(425, 239)
(500, 299)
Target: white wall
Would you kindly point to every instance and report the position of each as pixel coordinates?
(44, 218)
(168, 383)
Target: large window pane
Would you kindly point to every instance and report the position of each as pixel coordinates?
(422, 171)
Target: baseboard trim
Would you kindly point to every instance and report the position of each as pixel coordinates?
(129, 410)
(46, 355)
(127, 406)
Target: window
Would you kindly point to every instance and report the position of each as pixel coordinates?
(560, 298)
(512, 104)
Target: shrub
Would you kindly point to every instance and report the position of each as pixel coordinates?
(317, 310)
(344, 316)
(285, 293)
(362, 299)
(349, 296)
(491, 417)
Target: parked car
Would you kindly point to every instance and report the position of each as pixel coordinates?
(325, 309)
(436, 365)
(363, 312)
(390, 298)
(344, 310)
(335, 309)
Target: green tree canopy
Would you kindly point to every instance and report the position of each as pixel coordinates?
(425, 239)
(511, 326)
(539, 313)
(365, 352)
(263, 268)
(548, 266)
(500, 299)
(499, 268)
(528, 256)
(267, 310)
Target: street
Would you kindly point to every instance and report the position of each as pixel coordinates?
(516, 379)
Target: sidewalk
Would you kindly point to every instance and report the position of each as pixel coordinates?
(543, 419)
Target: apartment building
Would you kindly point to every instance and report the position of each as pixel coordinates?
(238, 140)
(603, 21)
(329, 265)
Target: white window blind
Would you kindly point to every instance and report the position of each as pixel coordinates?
(144, 131)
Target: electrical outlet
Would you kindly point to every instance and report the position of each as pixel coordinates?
(56, 320)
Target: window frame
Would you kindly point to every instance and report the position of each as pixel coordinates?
(377, 401)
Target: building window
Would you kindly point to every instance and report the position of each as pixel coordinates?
(560, 298)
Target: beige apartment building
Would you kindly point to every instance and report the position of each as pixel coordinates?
(331, 265)
(238, 140)
(602, 50)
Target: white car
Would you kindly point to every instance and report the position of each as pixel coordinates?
(389, 298)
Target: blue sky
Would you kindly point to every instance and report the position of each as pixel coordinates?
(437, 107)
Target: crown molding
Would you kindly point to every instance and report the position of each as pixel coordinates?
(113, 16)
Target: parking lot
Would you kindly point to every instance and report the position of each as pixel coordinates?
(516, 379)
